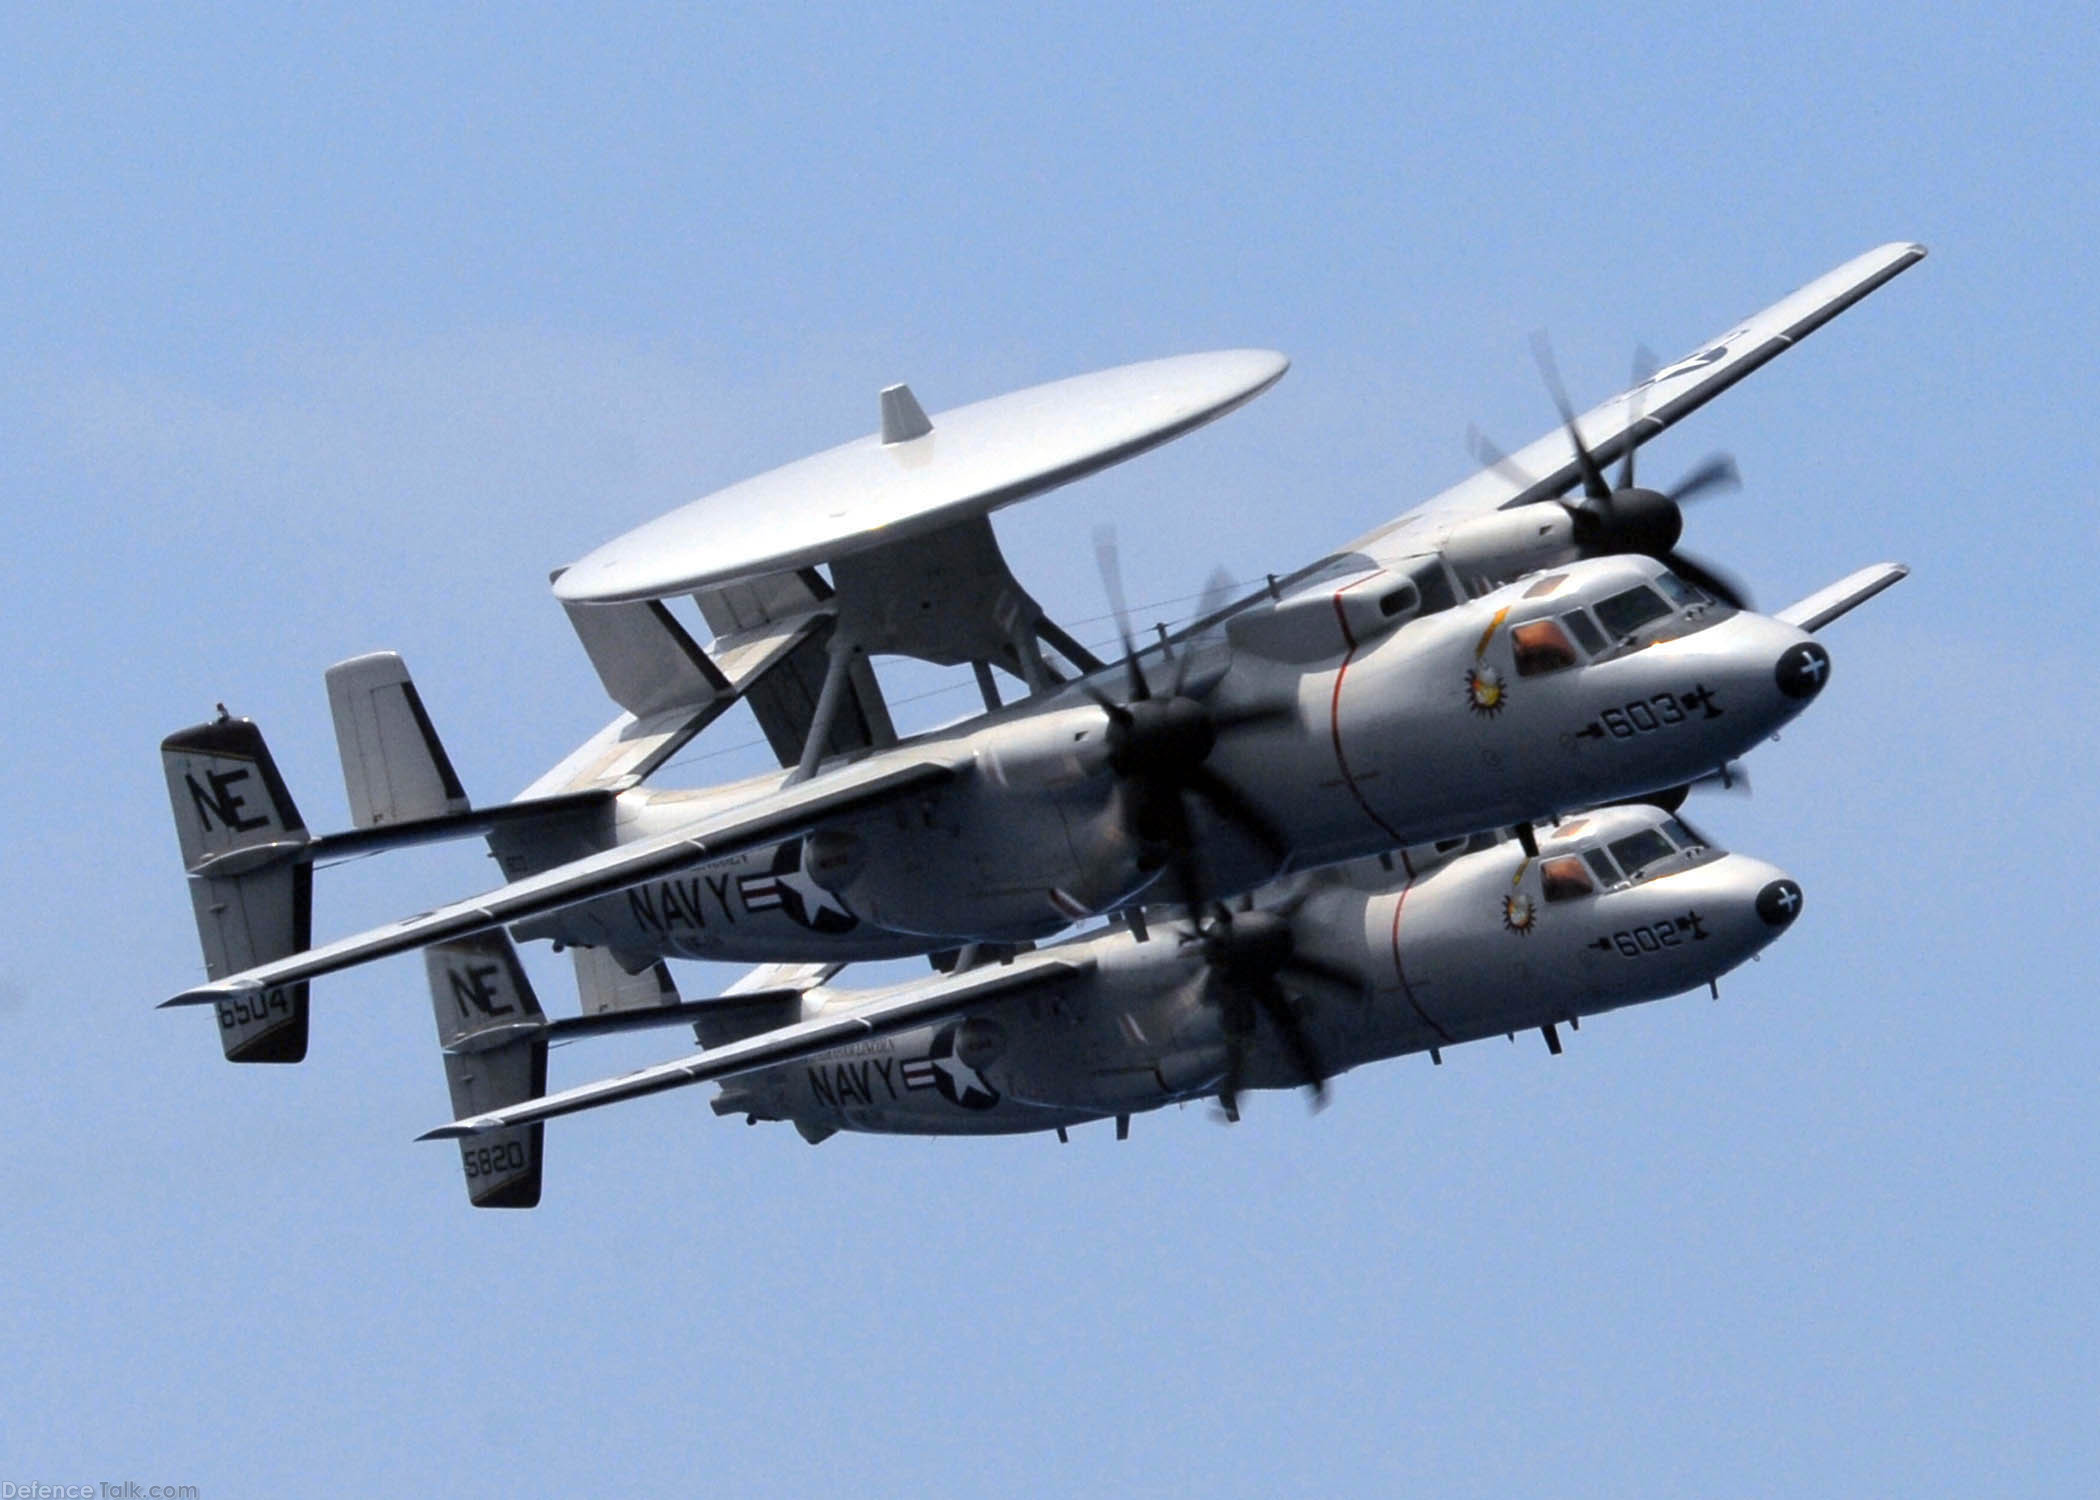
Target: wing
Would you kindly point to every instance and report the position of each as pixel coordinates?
(1634, 416)
(768, 819)
(1844, 596)
(930, 1000)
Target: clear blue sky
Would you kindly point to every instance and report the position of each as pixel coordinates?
(327, 334)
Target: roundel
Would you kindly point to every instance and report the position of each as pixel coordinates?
(789, 887)
(958, 1081)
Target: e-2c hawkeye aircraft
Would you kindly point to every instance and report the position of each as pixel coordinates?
(1530, 641)
(1311, 976)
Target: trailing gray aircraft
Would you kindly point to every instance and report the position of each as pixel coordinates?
(1314, 975)
(1492, 658)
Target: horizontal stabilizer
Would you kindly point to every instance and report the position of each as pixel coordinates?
(899, 1010)
(764, 998)
(766, 820)
(1847, 594)
(517, 817)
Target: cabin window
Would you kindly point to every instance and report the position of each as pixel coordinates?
(1599, 861)
(1564, 878)
(1541, 647)
(1625, 613)
(1586, 631)
(1637, 851)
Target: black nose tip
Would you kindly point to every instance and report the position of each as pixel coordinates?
(1779, 903)
(1803, 670)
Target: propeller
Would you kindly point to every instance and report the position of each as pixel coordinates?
(1625, 516)
(1159, 743)
(1246, 957)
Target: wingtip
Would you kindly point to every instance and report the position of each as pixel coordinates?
(452, 1132)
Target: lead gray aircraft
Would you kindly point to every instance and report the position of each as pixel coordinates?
(1314, 975)
(1493, 657)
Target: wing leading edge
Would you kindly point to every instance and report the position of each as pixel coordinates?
(930, 1000)
(777, 816)
(1634, 416)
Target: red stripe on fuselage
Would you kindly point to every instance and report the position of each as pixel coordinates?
(1400, 970)
(1334, 715)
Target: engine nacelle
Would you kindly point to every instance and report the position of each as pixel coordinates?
(1508, 543)
(1047, 751)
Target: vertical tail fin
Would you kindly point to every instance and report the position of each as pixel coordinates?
(242, 840)
(495, 1038)
(394, 766)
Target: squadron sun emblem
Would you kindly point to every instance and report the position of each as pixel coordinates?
(1519, 914)
(1485, 693)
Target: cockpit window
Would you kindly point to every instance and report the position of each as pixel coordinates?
(1541, 646)
(1637, 851)
(1545, 585)
(1607, 872)
(1586, 631)
(1681, 591)
(1564, 878)
(1685, 836)
(1625, 613)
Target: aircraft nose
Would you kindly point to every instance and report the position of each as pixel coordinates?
(1779, 903)
(1803, 669)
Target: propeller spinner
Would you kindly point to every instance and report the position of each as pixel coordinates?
(1159, 744)
(1626, 517)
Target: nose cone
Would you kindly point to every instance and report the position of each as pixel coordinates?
(1803, 669)
(1682, 930)
(1752, 902)
(1779, 903)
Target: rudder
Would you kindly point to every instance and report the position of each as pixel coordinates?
(242, 843)
(494, 1035)
(395, 768)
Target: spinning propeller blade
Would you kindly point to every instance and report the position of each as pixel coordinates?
(1627, 517)
(1158, 745)
(1243, 957)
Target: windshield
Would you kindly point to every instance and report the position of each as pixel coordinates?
(1637, 851)
(1681, 591)
(1624, 613)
